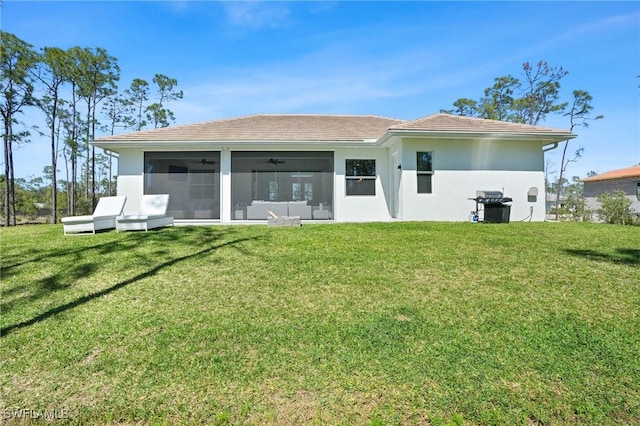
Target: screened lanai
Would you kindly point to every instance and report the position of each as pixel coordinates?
(192, 180)
(297, 183)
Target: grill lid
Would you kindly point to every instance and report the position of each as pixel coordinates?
(491, 197)
(494, 200)
(489, 194)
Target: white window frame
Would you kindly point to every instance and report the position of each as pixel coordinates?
(424, 173)
(359, 178)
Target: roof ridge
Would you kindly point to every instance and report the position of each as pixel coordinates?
(323, 115)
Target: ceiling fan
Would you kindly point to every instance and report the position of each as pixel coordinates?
(274, 161)
(204, 162)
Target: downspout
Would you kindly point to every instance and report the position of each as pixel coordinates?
(555, 145)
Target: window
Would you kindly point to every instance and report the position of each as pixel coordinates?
(424, 170)
(361, 177)
(302, 191)
(638, 191)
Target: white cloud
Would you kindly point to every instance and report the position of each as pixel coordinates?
(256, 14)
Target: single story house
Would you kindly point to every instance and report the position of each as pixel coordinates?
(343, 168)
(626, 180)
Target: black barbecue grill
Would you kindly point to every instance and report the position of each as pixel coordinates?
(496, 207)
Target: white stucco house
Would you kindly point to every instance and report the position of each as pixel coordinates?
(342, 168)
(626, 180)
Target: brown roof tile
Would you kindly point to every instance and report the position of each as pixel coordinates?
(270, 128)
(458, 123)
(633, 171)
(300, 127)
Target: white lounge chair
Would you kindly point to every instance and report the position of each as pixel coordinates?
(152, 214)
(103, 217)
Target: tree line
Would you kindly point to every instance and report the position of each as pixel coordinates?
(76, 91)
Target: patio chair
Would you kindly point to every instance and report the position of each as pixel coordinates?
(152, 214)
(103, 217)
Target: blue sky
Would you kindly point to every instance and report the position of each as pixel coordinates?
(397, 59)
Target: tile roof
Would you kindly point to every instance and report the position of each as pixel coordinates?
(457, 123)
(301, 127)
(265, 127)
(633, 171)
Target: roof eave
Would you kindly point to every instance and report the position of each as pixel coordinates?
(603, 179)
(115, 146)
(546, 138)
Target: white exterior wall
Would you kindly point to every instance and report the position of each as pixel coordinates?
(462, 167)
(225, 185)
(131, 178)
(452, 190)
(396, 182)
(360, 208)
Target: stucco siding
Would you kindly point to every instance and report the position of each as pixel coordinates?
(131, 178)
(482, 154)
(628, 185)
(463, 167)
(362, 208)
(450, 200)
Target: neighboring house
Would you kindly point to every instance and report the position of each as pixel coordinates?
(626, 180)
(551, 202)
(335, 167)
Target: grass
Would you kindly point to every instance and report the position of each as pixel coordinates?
(371, 324)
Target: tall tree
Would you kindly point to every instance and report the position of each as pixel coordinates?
(138, 95)
(74, 124)
(118, 112)
(17, 58)
(61, 129)
(510, 99)
(156, 112)
(541, 94)
(579, 116)
(99, 73)
(498, 101)
(463, 106)
(51, 73)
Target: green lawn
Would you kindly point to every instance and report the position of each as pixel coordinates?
(395, 323)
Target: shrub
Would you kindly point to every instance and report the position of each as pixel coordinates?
(576, 209)
(615, 208)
